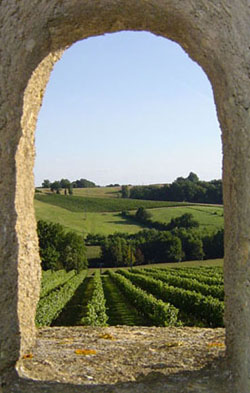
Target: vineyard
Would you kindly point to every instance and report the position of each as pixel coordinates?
(143, 297)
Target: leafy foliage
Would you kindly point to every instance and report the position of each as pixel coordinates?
(152, 246)
(209, 279)
(96, 309)
(163, 314)
(190, 283)
(189, 189)
(59, 249)
(184, 221)
(55, 186)
(46, 183)
(133, 296)
(162, 247)
(143, 216)
(117, 251)
(205, 307)
(50, 306)
(52, 280)
(83, 183)
(125, 191)
(67, 184)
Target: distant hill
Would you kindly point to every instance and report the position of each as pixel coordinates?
(93, 204)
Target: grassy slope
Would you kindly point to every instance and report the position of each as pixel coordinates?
(91, 204)
(100, 192)
(83, 223)
(76, 213)
(209, 217)
(96, 192)
(73, 217)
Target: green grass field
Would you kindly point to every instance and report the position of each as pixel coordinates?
(92, 204)
(101, 215)
(84, 223)
(209, 217)
(95, 192)
(100, 192)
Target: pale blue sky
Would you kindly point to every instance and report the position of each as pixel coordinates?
(126, 108)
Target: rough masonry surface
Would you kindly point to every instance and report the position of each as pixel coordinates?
(34, 34)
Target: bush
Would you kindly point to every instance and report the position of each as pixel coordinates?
(142, 215)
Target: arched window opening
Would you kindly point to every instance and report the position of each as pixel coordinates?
(127, 109)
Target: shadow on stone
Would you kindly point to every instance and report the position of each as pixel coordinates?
(211, 379)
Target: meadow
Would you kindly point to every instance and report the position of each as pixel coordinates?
(92, 204)
(210, 218)
(84, 222)
(92, 214)
(93, 192)
(97, 211)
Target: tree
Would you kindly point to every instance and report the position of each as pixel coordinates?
(131, 259)
(192, 244)
(142, 215)
(213, 245)
(60, 250)
(189, 189)
(49, 235)
(193, 177)
(125, 191)
(184, 221)
(46, 183)
(118, 251)
(70, 189)
(83, 183)
(55, 186)
(164, 247)
(65, 183)
(73, 252)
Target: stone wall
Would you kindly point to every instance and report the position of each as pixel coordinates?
(34, 33)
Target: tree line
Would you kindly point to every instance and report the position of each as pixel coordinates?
(143, 216)
(181, 242)
(66, 185)
(152, 246)
(189, 189)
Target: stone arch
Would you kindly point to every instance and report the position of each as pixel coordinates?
(33, 37)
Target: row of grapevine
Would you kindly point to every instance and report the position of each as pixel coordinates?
(216, 272)
(204, 307)
(54, 279)
(96, 310)
(204, 278)
(192, 284)
(163, 314)
(50, 306)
